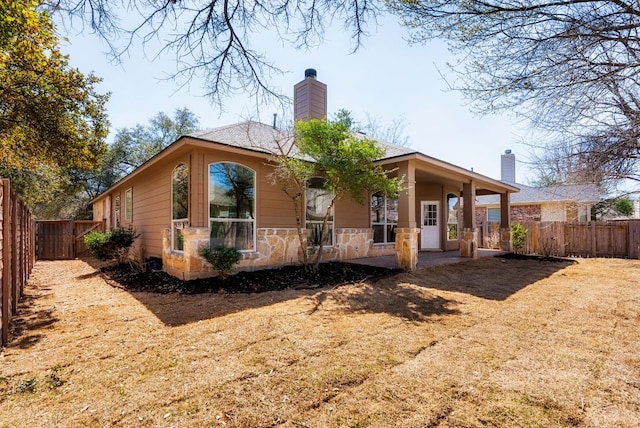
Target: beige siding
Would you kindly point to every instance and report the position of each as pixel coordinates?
(275, 208)
(151, 191)
(349, 213)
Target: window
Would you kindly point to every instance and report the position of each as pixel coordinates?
(430, 215)
(116, 210)
(128, 204)
(384, 218)
(232, 205)
(493, 214)
(179, 205)
(583, 213)
(318, 200)
(453, 208)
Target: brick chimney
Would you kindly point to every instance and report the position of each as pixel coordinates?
(310, 97)
(508, 167)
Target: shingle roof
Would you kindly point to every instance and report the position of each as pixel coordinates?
(264, 138)
(528, 194)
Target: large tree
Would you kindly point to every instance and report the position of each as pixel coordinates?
(570, 67)
(213, 38)
(132, 147)
(50, 113)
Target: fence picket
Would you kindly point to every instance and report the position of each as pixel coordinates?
(580, 239)
(17, 248)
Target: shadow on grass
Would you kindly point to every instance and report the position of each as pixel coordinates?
(408, 303)
(492, 278)
(26, 328)
(175, 309)
(404, 295)
(396, 299)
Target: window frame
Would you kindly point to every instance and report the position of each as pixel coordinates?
(385, 223)
(128, 204)
(330, 223)
(493, 210)
(117, 209)
(252, 221)
(178, 224)
(450, 222)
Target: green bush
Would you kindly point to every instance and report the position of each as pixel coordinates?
(221, 258)
(114, 244)
(518, 236)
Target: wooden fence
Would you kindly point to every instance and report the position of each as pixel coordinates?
(63, 239)
(17, 250)
(619, 239)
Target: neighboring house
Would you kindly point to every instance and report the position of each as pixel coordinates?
(554, 203)
(216, 187)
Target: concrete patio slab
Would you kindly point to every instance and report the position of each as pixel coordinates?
(425, 258)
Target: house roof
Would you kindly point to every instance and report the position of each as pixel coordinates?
(537, 195)
(264, 138)
(267, 140)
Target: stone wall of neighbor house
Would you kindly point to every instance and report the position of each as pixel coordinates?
(481, 215)
(525, 212)
(275, 247)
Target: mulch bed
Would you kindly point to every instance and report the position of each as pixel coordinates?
(329, 274)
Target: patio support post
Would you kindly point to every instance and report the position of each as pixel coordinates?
(407, 233)
(469, 239)
(505, 222)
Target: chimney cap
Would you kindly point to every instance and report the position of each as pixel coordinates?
(310, 72)
(507, 152)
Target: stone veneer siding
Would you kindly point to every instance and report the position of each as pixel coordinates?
(525, 212)
(518, 213)
(275, 247)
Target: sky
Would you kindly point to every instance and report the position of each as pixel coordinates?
(386, 79)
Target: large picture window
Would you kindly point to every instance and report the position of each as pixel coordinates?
(384, 218)
(318, 199)
(232, 205)
(179, 205)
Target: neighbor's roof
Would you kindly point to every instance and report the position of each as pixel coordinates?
(533, 195)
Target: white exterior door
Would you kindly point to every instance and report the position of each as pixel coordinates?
(430, 225)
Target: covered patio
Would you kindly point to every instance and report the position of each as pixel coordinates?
(436, 211)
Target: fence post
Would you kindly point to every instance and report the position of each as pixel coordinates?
(6, 262)
(14, 253)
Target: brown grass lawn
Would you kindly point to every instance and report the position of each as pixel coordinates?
(489, 342)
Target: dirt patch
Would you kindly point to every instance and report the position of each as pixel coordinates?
(488, 342)
(259, 281)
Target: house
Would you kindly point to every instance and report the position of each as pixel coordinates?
(216, 186)
(553, 203)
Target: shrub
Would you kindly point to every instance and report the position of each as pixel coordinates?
(221, 258)
(518, 236)
(97, 243)
(114, 244)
